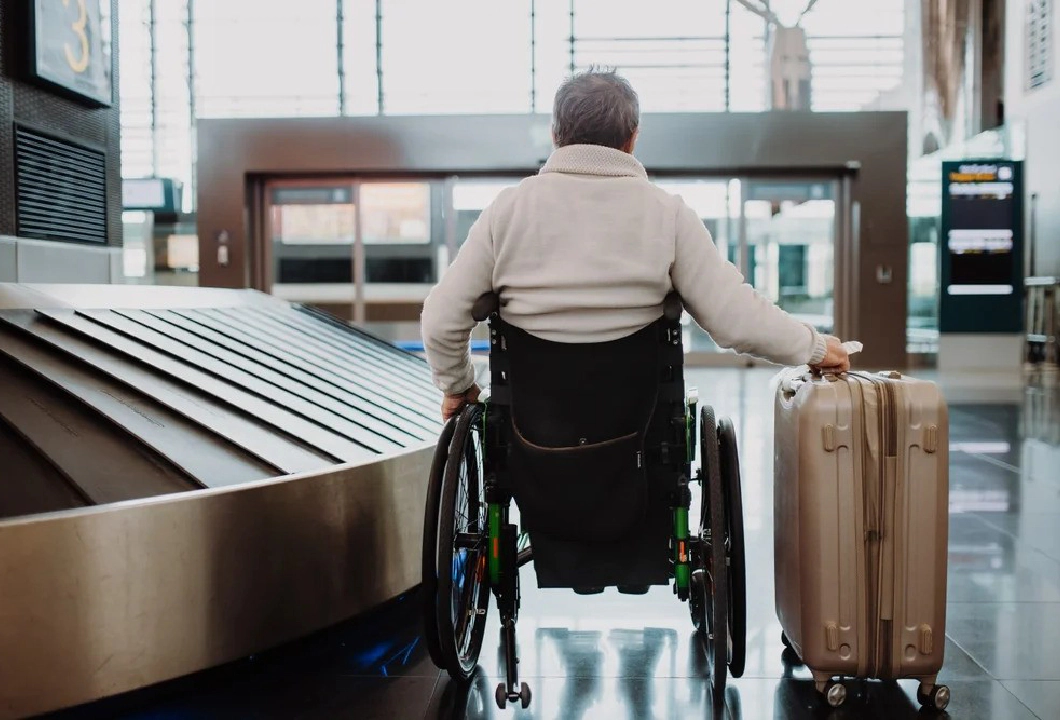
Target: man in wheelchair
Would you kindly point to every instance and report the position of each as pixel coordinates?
(583, 272)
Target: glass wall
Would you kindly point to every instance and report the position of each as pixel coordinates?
(470, 198)
(255, 58)
(717, 202)
(791, 247)
(457, 56)
(314, 226)
(182, 60)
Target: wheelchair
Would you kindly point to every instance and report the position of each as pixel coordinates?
(595, 444)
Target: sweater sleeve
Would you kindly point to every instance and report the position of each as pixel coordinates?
(446, 322)
(734, 313)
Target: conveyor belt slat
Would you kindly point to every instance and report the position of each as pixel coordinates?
(286, 455)
(411, 371)
(344, 344)
(195, 353)
(29, 483)
(399, 381)
(71, 436)
(338, 448)
(351, 334)
(200, 455)
(407, 365)
(303, 384)
(340, 374)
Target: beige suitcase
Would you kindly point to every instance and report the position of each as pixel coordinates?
(861, 499)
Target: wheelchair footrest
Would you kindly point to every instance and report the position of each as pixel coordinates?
(634, 589)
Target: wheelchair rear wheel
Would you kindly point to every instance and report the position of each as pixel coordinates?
(430, 544)
(462, 594)
(710, 584)
(737, 606)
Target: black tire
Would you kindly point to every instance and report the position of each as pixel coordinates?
(463, 583)
(713, 555)
(730, 473)
(430, 544)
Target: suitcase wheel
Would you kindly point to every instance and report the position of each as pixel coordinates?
(833, 691)
(789, 656)
(938, 698)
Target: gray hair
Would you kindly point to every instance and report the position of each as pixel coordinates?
(596, 107)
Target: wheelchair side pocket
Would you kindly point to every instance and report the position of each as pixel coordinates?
(591, 492)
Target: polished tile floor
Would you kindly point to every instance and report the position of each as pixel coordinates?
(615, 656)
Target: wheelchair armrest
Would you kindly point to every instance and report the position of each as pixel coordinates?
(485, 306)
(673, 306)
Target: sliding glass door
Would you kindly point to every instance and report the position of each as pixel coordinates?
(371, 250)
(345, 243)
(780, 233)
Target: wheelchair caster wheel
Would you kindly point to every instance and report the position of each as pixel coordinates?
(938, 698)
(524, 696)
(835, 694)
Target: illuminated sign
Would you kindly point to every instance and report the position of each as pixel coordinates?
(982, 247)
(71, 47)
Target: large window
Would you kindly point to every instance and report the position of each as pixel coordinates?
(261, 59)
(857, 52)
(183, 60)
(457, 56)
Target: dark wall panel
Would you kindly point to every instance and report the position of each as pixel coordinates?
(23, 103)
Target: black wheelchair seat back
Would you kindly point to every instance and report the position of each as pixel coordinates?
(579, 417)
(586, 423)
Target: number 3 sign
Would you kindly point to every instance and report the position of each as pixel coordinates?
(71, 47)
(79, 63)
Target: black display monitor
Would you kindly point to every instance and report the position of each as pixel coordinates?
(981, 247)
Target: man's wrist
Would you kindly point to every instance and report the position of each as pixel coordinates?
(819, 348)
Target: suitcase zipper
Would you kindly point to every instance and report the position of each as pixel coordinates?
(890, 461)
(878, 649)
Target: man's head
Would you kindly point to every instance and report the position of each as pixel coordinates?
(596, 107)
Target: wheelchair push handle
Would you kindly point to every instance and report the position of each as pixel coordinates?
(485, 306)
(673, 306)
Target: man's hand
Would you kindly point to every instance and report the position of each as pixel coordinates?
(452, 404)
(836, 358)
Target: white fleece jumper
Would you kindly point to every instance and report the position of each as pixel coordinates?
(585, 252)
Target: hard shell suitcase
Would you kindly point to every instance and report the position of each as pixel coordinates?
(861, 515)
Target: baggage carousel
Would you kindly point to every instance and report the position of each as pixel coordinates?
(190, 476)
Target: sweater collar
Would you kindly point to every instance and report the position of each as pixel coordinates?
(593, 160)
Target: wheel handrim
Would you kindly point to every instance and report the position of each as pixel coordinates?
(467, 564)
(463, 587)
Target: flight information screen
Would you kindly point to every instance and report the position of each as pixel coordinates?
(981, 247)
(980, 238)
